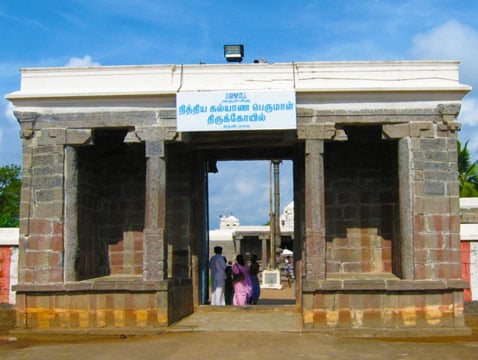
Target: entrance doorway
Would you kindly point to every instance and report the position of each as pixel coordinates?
(242, 210)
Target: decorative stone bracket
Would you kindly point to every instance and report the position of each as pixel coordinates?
(325, 131)
(27, 123)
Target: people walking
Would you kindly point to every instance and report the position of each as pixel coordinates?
(242, 282)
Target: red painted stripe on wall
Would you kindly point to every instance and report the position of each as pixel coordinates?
(465, 268)
(5, 259)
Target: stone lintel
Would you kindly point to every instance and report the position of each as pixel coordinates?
(78, 137)
(161, 133)
(395, 131)
(317, 131)
(52, 136)
(421, 129)
(418, 129)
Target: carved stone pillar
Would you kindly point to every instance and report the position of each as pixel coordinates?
(154, 249)
(314, 211)
(264, 252)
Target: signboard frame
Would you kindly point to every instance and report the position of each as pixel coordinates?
(236, 110)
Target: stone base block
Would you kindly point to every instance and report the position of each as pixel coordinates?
(381, 313)
(104, 305)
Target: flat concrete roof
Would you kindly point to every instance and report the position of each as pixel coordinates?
(353, 76)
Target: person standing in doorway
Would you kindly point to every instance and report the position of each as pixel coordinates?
(217, 264)
(254, 274)
(229, 290)
(242, 282)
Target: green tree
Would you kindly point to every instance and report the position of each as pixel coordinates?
(467, 172)
(10, 184)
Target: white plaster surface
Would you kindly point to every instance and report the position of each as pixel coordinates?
(13, 274)
(9, 236)
(378, 75)
(474, 270)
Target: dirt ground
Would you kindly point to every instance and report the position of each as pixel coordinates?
(240, 345)
(243, 345)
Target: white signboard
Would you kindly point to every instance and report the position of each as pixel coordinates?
(236, 110)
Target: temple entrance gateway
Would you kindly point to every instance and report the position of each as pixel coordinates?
(242, 214)
(114, 214)
(232, 148)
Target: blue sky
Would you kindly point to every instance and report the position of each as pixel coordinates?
(120, 32)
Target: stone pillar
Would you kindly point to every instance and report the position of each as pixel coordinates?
(27, 124)
(406, 211)
(314, 211)
(154, 249)
(71, 213)
(264, 253)
(74, 138)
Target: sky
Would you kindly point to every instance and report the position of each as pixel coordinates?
(119, 32)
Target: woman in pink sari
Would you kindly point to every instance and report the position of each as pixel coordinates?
(242, 282)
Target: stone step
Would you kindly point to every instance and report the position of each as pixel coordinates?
(251, 318)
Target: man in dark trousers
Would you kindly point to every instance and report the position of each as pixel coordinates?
(217, 264)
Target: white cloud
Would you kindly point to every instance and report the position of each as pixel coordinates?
(451, 41)
(10, 144)
(244, 187)
(85, 61)
(9, 113)
(469, 125)
(456, 41)
(469, 112)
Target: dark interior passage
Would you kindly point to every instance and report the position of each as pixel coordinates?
(362, 206)
(111, 199)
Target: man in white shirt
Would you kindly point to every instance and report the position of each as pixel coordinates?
(217, 264)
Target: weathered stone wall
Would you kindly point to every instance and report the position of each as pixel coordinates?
(179, 208)
(361, 203)
(436, 221)
(111, 191)
(419, 222)
(41, 208)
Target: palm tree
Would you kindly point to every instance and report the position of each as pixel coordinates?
(467, 172)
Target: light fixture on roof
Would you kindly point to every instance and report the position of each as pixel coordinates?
(234, 53)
